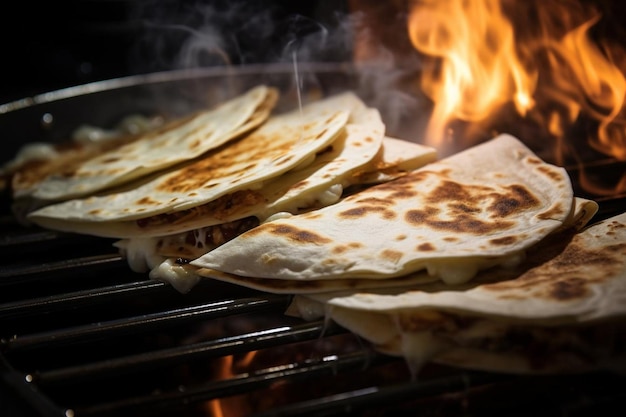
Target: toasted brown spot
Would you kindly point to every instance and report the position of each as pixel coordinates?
(95, 211)
(344, 248)
(555, 212)
(461, 223)
(391, 255)
(425, 247)
(295, 234)
(374, 200)
(363, 211)
(502, 241)
(551, 173)
(195, 144)
(517, 200)
(146, 201)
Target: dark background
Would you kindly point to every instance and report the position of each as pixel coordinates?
(51, 45)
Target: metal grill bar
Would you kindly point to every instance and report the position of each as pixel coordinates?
(238, 384)
(144, 323)
(166, 357)
(361, 399)
(19, 274)
(65, 301)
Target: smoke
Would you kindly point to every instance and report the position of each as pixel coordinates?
(191, 34)
(371, 36)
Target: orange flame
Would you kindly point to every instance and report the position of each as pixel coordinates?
(228, 368)
(477, 61)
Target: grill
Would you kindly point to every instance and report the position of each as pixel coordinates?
(82, 335)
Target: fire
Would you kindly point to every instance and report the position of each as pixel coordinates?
(478, 68)
(228, 367)
(483, 55)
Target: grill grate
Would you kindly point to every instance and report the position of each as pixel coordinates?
(82, 335)
(110, 342)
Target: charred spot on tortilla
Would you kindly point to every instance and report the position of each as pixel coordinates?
(363, 211)
(461, 223)
(146, 200)
(517, 200)
(425, 247)
(338, 249)
(391, 255)
(294, 234)
(506, 240)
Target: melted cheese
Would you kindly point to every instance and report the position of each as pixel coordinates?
(181, 277)
(140, 253)
(460, 271)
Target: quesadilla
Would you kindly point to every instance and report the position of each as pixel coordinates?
(563, 310)
(476, 209)
(239, 185)
(584, 210)
(179, 140)
(320, 184)
(170, 201)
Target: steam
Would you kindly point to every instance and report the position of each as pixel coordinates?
(201, 34)
(229, 33)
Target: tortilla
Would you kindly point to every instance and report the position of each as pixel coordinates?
(319, 184)
(479, 208)
(36, 161)
(563, 310)
(584, 210)
(180, 140)
(283, 143)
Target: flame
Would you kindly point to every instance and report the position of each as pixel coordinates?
(477, 60)
(228, 368)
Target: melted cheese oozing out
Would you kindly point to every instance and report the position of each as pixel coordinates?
(30, 152)
(460, 271)
(133, 124)
(181, 277)
(140, 253)
(419, 347)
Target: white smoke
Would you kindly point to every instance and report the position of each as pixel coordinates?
(192, 34)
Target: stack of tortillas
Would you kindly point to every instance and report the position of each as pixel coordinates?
(482, 260)
(453, 260)
(290, 163)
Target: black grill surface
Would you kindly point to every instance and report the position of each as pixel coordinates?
(83, 335)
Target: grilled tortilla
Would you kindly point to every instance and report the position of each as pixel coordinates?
(563, 310)
(318, 185)
(583, 212)
(180, 140)
(222, 179)
(479, 208)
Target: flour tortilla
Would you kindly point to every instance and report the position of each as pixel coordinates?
(319, 184)
(257, 185)
(479, 208)
(180, 140)
(568, 301)
(583, 212)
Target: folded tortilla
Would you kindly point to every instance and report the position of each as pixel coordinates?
(563, 310)
(476, 209)
(180, 140)
(170, 201)
(318, 185)
(584, 211)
